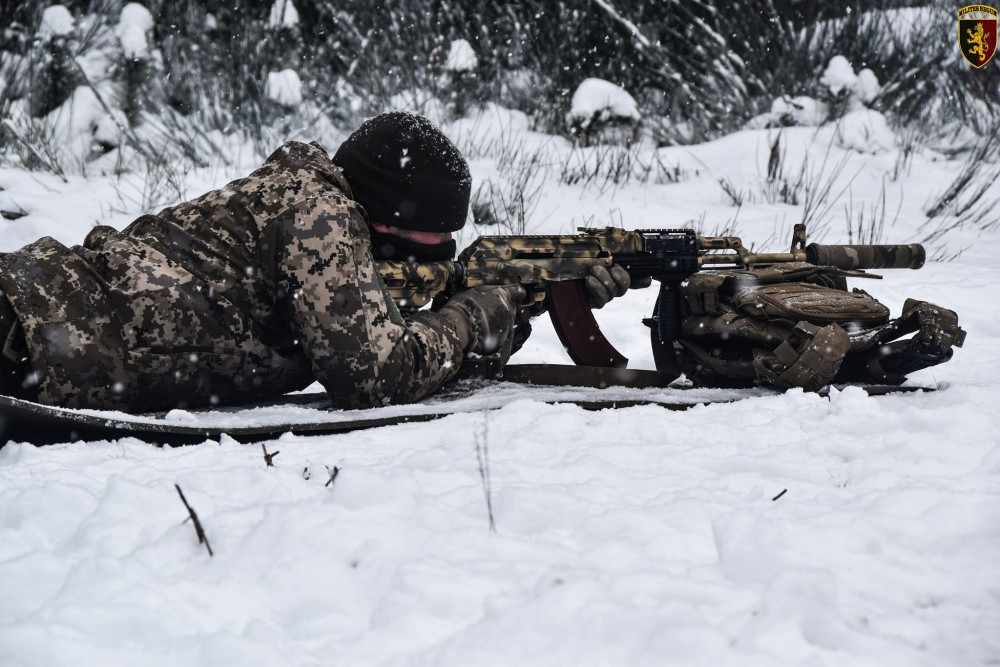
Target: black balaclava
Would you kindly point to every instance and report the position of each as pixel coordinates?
(390, 246)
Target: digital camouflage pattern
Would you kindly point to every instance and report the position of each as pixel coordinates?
(246, 292)
(415, 284)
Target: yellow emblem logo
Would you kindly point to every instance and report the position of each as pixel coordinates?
(977, 34)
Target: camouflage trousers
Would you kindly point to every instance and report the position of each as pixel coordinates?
(14, 363)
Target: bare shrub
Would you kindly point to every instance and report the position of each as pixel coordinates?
(978, 173)
(509, 199)
(866, 223)
(970, 201)
(607, 166)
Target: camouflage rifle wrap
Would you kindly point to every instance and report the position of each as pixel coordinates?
(531, 261)
(910, 256)
(248, 291)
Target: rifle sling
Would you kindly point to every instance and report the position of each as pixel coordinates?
(561, 375)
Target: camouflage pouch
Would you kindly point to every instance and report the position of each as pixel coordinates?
(796, 302)
(797, 325)
(704, 292)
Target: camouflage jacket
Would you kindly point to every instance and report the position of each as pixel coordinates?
(249, 291)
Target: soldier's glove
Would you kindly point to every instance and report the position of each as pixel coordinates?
(603, 284)
(484, 316)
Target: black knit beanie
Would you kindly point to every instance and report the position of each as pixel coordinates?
(404, 172)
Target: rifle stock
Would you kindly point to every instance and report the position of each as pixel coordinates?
(552, 268)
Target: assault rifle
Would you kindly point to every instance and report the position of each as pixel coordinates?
(552, 268)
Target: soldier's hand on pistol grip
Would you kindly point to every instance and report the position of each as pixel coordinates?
(603, 284)
(484, 316)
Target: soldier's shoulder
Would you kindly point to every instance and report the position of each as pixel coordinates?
(297, 153)
(42, 248)
(305, 161)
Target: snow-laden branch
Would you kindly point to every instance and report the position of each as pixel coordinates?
(632, 28)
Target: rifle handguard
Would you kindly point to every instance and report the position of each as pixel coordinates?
(911, 256)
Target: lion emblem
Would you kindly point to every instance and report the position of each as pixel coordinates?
(977, 43)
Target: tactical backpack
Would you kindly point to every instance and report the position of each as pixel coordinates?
(797, 325)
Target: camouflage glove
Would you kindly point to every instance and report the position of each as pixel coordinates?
(484, 316)
(603, 284)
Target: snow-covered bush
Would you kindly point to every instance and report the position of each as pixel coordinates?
(788, 111)
(137, 63)
(799, 110)
(53, 72)
(284, 88)
(459, 81)
(840, 90)
(284, 42)
(283, 15)
(283, 48)
(461, 58)
(856, 127)
(847, 91)
(845, 96)
(56, 22)
(602, 112)
(863, 130)
(134, 23)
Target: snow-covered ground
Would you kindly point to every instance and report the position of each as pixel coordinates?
(781, 529)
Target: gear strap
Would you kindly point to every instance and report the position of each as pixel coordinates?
(809, 358)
